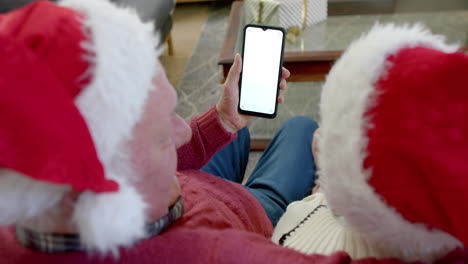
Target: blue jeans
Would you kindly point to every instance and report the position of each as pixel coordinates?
(285, 172)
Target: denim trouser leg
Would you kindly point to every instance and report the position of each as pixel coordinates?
(230, 162)
(285, 172)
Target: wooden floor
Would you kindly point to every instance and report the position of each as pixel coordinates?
(193, 1)
(189, 19)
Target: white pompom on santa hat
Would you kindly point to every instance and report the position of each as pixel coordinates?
(394, 141)
(74, 80)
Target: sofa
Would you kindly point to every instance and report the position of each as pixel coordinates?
(159, 11)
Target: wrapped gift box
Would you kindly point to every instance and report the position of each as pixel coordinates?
(291, 12)
(285, 13)
(263, 12)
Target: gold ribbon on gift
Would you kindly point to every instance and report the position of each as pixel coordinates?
(264, 12)
(294, 31)
(304, 14)
(260, 11)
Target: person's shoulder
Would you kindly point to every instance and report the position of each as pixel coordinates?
(8, 241)
(311, 201)
(213, 202)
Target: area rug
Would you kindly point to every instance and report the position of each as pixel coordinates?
(200, 85)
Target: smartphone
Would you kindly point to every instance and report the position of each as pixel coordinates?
(262, 60)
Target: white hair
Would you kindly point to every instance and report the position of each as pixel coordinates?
(23, 197)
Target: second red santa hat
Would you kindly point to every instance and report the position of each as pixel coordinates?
(394, 141)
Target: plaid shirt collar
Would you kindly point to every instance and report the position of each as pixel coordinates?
(53, 243)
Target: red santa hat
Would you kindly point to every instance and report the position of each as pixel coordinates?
(74, 80)
(394, 141)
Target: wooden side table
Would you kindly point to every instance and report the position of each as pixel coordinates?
(319, 46)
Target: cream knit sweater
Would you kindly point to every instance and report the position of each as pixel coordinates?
(309, 226)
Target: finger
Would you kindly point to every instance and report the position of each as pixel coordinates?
(285, 73)
(281, 99)
(317, 132)
(234, 72)
(283, 84)
(316, 188)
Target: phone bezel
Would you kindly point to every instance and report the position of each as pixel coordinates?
(260, 114)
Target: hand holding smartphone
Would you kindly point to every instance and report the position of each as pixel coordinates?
(262, 57)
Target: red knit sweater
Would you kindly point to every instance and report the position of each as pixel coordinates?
(223, 222)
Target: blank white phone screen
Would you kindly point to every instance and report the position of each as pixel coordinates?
(260, 70)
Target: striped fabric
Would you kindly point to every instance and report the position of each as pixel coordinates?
(54, 243)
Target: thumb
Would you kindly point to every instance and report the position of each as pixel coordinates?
(232, 79)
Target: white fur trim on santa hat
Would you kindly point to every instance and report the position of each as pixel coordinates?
(107, 221)
(98, 221)
(112, 103)
(23, 197)
(124, 64)
(346, 96)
